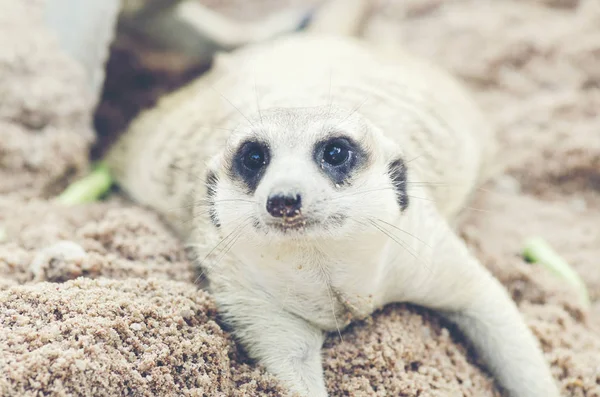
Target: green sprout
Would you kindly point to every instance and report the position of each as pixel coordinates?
(88, 189)
(537, 250)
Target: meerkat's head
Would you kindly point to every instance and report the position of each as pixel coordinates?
(306, 173)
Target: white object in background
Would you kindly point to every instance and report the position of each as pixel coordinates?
(188, 27)
(85, 30)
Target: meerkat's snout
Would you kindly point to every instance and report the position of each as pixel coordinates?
(286, 206)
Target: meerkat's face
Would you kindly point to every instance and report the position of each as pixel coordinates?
(306, 173)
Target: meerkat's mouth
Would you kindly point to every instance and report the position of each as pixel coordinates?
(297, 222)
(300, 224)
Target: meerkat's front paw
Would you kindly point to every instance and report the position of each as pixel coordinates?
(285, 344)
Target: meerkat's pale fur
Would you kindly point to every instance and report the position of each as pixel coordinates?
(380, 236)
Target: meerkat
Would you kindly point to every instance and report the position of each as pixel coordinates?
(299, 171)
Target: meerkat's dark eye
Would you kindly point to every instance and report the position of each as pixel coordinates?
(338, 158)
(254, 157)
(336, 153)
(250, 163)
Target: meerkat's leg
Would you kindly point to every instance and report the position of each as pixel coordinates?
(495, 328)
(287, 345)
(464, 291)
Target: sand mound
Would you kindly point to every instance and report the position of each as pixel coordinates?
(100, 299)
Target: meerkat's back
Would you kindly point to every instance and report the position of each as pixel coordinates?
(423, 109)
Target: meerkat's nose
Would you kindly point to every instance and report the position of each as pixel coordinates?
(284, 206)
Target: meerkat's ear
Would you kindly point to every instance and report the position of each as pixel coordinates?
(211, 179)
(396, 167)
(398, 174)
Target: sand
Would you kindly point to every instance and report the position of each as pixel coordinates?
(101, 299)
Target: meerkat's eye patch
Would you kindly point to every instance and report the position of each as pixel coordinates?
(250, 162)
(337, 157)
(397, 172)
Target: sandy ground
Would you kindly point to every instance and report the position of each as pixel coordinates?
(101, 299)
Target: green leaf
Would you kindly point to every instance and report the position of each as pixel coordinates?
(537, 250)
(88, 189)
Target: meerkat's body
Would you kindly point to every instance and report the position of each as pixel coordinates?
(415, 127)
(415, 104)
